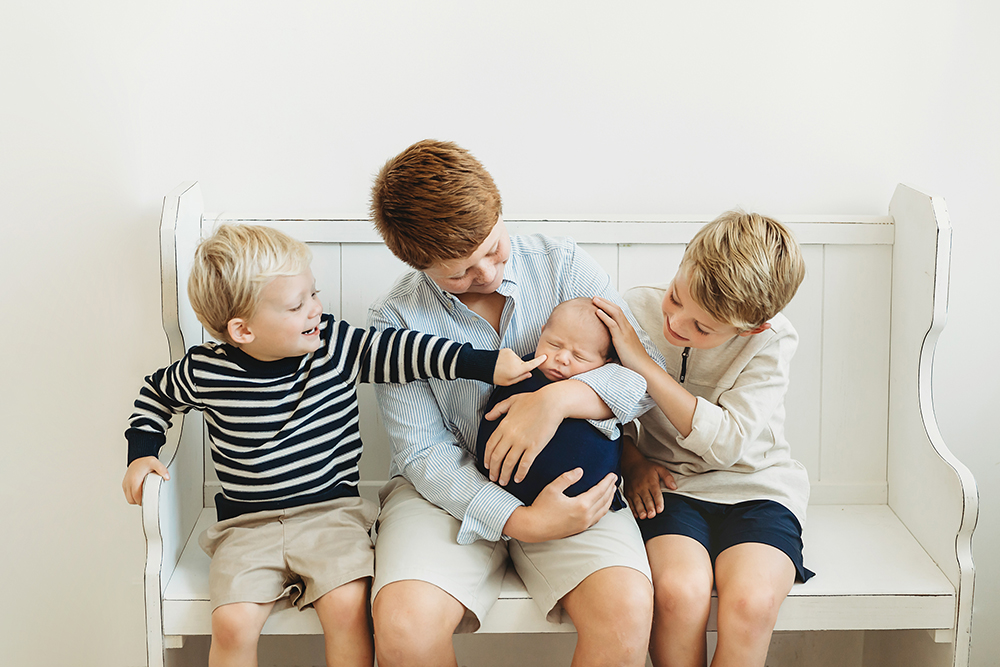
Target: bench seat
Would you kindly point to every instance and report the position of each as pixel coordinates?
(871, 575)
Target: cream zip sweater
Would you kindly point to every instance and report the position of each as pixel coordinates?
(736, 450)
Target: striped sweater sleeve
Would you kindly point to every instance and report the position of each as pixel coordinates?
(398, 356)
(167, 392)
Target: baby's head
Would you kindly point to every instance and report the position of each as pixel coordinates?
(251, 286)
(738, 272)
(574, 340)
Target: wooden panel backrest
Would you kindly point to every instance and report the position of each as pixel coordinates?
(838, 402)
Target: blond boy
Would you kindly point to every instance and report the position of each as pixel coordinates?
(719, 499)
(282, 414)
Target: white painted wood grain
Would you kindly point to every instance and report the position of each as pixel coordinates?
(803, 403)
(855, 379)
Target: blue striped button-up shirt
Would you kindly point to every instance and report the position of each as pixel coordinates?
(432, 425)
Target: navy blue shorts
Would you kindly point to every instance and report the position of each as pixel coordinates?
(718, 527)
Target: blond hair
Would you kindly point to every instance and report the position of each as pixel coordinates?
(743, 268)
(434, 202)
(232, 267)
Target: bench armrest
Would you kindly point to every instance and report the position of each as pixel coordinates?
(930, 490)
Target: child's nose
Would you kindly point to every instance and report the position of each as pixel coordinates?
(687, 327)
(486, 273)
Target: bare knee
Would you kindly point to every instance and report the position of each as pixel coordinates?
(682, 592)
(413, 621)
(613, 610)
(346, 604)
(236, 627)
(632, 605)
(754, 609)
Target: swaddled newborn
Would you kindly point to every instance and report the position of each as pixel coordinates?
(574, 341)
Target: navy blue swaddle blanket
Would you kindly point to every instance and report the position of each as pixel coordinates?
(576, 444)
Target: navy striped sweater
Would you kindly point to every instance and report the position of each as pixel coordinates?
(285, 433)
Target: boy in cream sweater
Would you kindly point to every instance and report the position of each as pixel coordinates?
(709, 475)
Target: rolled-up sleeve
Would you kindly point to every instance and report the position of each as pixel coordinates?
(721, 432)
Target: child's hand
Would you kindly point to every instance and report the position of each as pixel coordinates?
(136, 475)
(554, 515)
(510, 369)
(627, 344)
(531, 422)
(642, 486)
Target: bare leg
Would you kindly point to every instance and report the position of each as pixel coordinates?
(414, 623)
(612, 610)
(235, 630)
(682, 584)
(347, 630)
(752, 581)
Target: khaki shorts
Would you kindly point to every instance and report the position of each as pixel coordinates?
(298, 554)
(417, 540)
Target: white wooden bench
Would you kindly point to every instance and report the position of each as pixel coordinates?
(890, 523)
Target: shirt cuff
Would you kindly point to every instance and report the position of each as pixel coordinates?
(621, 390)
(487, 515)
(476, 364)
(607, 427)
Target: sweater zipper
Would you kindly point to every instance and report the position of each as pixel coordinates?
(684, 364)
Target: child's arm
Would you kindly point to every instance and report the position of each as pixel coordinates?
(398, 356)
(718, 432)
(159, 399)
(676, 402)
(516, 442)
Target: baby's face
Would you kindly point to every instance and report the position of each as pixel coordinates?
(571, 348)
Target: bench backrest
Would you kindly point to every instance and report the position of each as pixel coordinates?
(838, 401)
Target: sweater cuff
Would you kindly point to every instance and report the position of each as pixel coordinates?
(704, 428)
(476, 364)
(143, 443)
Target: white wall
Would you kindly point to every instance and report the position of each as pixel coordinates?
(575, 107)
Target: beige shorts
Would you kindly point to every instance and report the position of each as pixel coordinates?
(298, 554)
(417, 540)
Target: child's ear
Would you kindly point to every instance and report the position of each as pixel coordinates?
(756, 330)
(238, 331)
